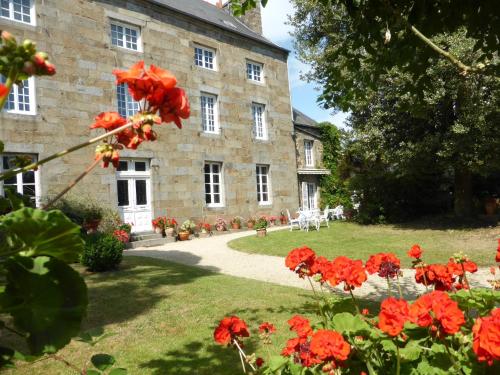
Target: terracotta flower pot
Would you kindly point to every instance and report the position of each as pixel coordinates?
(203, 234)
(183, 236)
(261, 232)
(250, 225)
(170, 232)
(235, 225)
(283, 220)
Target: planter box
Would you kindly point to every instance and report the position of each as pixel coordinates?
(261, 232)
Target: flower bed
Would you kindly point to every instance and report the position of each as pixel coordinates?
(451, 329)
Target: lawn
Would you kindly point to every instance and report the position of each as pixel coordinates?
(359, 241)
(163, 315)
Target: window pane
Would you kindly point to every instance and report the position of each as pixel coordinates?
(122, 186)
(216, 198)
(140, 166)
(140, 192)
(208, 198)
(207, 168)
(123, 166)
(29, 190)
(29, 177)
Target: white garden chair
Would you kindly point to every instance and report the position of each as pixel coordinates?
(293, 222)
(338, 213)
(325, 217)
(311, 218)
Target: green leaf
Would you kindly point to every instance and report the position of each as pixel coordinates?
(388, 346)
(93, 372)
(118, 371)
(346, 322)
(2, 146)
(411, 352)
(46, 298)
(34, 232)
(277, 362)
(102, 361)
(94, 336)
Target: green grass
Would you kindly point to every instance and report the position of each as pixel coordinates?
(164, 314)
(360, 241)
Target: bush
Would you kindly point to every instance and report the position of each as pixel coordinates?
(80, 209)
(103, 252)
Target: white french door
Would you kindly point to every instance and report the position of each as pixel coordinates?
(309, 196)
(133, 184)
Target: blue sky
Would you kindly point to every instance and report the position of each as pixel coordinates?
(304, 94)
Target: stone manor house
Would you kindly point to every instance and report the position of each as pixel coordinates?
(242, 152)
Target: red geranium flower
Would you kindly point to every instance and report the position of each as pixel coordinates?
(175, 106)
(351, 272)
(3, 91)
(393, 315)
(300, 325)
(228, 330)
(259, 362)
(415, 252)
(121, 235)
(486, 333)
(329, 346)
(301, 260)
(267, 328)
(386, 264)
(139, 86)
(435, 274)
(108, 121)
(446, 317)
(497, 258)
(321, 266)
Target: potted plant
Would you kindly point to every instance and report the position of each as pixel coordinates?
(283, 218)
(125, 227)
(220, 225)
(159, 225)
(185, 230)
(236, 222)
(272, 220)
(92, 217)
(205, 230)
(261, 226)
(170, 225)
(250, 222)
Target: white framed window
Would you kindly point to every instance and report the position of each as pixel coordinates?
(259, 121)
(255, 71)
(309, 155)
(18, 10)
(126, 36)
(263, 184)
(214, 188)
(21, 98)
(205, 57)
(209, 113)
(27, 183)
(127, 106)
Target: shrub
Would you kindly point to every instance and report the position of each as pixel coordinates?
(102, 252)
(262, 223)
(80, 209)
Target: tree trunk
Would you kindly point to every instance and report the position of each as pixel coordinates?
(463, 192)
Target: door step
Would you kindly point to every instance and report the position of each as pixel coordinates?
(145, 236)
(149, 242)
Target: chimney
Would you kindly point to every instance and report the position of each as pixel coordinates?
(253, 19)
(219, 4)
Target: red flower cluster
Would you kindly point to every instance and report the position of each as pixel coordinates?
(438, 311)
(458, 267)
(415, 252)
(497, 257)
(229, 329)
(435, 274)
(157, 88)
(350, 272)
(121, 235)
(486, 333)
(3, 91)
(267, 328)
(393, 316)
(309, 348)
(300, 260)
(385, 264)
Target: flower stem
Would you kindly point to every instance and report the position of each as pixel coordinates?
(73, 183)
(399, 287)
(455, 364)
(398, 360)
(389, 286)
(9, 82)
(12, 172)
(354, 300)
(466, 280)
(243, 355)
(68, 364)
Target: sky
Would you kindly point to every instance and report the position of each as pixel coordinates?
(304, 95)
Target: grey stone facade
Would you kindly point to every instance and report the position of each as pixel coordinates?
(76, 35)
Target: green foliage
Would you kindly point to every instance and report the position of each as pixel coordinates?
(83, 209)
(261, 223)
(13, 201)
(103, 252)
(240, 7)
(40, 293)
(111, 221)
(33, 232)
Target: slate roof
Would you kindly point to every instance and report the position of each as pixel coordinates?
(209, 13)
(300, 118)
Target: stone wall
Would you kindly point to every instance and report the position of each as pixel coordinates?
(75, 34)
(300, 137)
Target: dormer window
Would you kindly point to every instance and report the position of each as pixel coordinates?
(205, 57)
(255, 71)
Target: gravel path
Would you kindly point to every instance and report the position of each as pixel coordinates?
(213, 254)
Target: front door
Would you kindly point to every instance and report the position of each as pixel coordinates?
(133, 181)
(309, 196)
